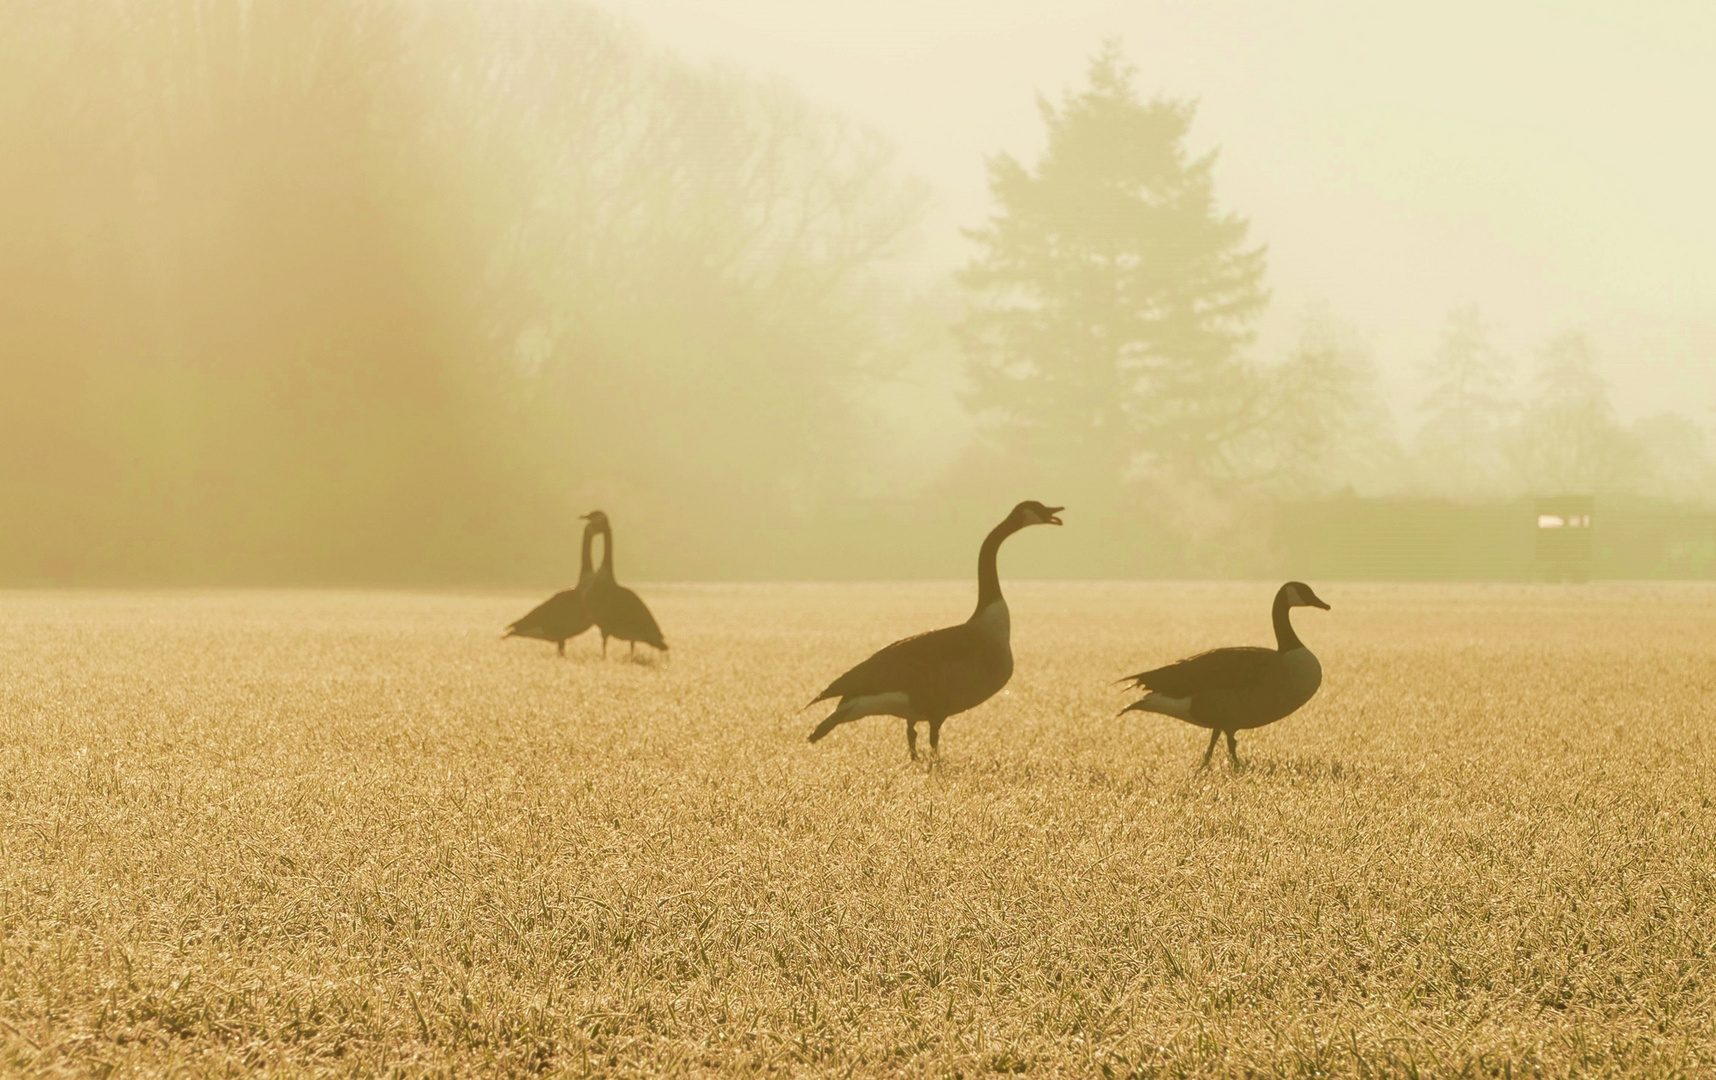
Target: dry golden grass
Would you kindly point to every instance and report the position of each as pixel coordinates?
(359, 834)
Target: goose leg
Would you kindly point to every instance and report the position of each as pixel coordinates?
(1214, 735)
(1232, 749)
(935, 735)
(912, 738)
(561, 645)
(631, 653)
(604, 644)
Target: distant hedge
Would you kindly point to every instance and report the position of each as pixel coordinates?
(1405, 539)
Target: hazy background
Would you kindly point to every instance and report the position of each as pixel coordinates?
(389, 292)
(1547, 161)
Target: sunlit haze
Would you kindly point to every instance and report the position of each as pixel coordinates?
(857, 538)
(1552, 163)
(363, 291)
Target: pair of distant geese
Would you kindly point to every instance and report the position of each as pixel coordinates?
(930, 677)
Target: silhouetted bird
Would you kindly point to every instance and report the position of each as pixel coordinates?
(1229, 690)
(617, 610)
(932, 676)
(564, 615)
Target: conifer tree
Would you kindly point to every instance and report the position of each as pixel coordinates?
(1111, 297)
(1570, 439)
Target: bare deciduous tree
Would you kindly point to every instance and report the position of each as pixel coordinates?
(1467, 409)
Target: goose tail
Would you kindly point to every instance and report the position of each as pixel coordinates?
(835, 719)
(827, 725)
(856, 708)
(1178, 708)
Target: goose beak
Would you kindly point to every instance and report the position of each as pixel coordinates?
(1054, 515)
(1314, 602)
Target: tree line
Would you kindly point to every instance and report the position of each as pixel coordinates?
(375, 291)
(371, 290)
(1111, 334)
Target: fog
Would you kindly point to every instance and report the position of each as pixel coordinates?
(1540, 160)
(377, 292)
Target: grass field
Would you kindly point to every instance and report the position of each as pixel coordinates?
(358, 834)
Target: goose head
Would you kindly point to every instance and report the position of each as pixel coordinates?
(1031, 512)
(1299, 594)
(598, 520)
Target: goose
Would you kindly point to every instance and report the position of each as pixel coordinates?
(617, 610)
(932, 676)
(564, 615)
(1236, 689)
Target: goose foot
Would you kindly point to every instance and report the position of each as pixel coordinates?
(1232, 750)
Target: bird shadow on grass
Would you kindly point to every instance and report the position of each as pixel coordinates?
(1015, 772)
(582, 659)
(1292, 768)
(934, 766)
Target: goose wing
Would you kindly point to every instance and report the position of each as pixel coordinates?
(1244, 665)
(623, 614)
(563, 615)
(925, 667)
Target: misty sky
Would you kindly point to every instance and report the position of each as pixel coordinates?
(1551, 162)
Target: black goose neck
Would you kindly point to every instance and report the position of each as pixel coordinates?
(1285, 639)
(586, 566)
(607, 569)
(988, 578)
